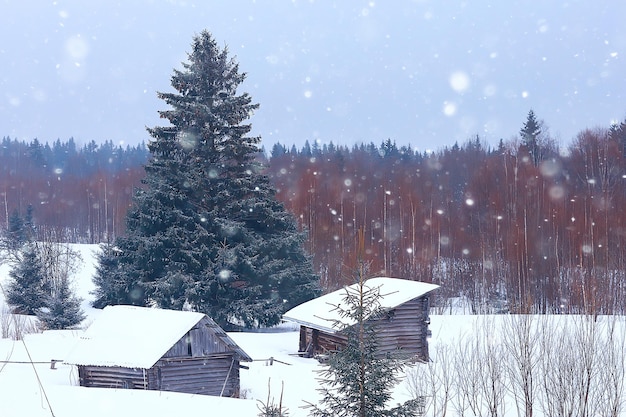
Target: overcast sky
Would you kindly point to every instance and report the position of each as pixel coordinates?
(427, 73)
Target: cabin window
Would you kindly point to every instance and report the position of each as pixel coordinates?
(188, 340)
(194, 342)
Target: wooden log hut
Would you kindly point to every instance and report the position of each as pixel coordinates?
(403, 327)
(155, 349)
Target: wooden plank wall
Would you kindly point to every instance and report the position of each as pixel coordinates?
(190, 375)
(112, 377)
(405, 329)
(201, 375)
(201, 340)
(321, 342)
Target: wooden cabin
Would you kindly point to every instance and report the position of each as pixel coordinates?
(155, 349)
(403, 327)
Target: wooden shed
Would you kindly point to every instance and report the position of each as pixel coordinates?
(404, 327)
(155, 349)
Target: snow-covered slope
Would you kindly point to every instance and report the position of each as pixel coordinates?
(30, 386)
(37, 390)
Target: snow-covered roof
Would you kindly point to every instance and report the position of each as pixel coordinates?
(321, 313)
(135, 337)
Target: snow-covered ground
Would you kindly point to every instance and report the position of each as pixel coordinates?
(30, 387)
(35, 390)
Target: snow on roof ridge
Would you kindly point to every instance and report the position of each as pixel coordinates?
(320, 313)
(144, 337)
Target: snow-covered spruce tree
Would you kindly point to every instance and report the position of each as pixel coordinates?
(358, 379)
(29, 287)
(62, 308)
(18, 233)
(112, 283)
(206, 230)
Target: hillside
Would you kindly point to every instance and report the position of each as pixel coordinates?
(479, 363)
(59, 395)
(517, 228)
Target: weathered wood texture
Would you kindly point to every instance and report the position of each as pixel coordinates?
(314, 341)
(403, 329)
(217, 375)
(198, 363)
(199, 341)
(112, 377)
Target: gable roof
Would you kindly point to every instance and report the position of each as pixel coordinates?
(321, 313)
(137, 337)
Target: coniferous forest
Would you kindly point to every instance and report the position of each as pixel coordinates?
(525, 226)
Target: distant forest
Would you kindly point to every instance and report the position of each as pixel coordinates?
(524, 226)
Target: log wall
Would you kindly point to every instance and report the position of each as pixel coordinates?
(211, 375)
(406, 329)
(403, 329)
(114, 377)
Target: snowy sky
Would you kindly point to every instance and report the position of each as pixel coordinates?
(423, 72)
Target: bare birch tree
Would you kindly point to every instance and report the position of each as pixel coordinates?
(608, 394)
(432, 382)
(519, 337)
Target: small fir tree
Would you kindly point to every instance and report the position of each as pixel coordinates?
(18, 233)
(29, 287)
(359, 379)
(62, 309)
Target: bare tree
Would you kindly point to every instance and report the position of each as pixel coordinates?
(432, 382)
(467, 370)
(553, 366)
(491, 357)
(60, 260)
(608, 394)
(519, 338)
(478, 373)
(5, 322)
(586, 344)
(569, 366)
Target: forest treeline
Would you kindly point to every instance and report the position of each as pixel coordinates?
(81, 194)
(525, 226)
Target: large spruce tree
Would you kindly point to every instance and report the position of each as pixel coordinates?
(206, 231)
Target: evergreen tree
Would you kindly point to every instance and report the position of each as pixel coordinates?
(62, 308)
(29, 287)
(112, 286)
(206, 230)
(16, 232)
(278, 150)
(19, 231)
(358, 379)
(29, 225)
(306, 149)
(530, 136)
(617, 132)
